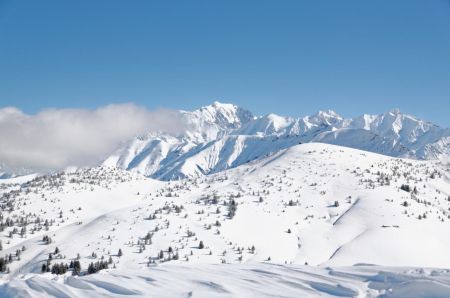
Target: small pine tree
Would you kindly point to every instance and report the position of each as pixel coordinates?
(405, 187)
(76, 267)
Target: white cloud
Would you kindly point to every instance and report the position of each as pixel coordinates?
(56, 138)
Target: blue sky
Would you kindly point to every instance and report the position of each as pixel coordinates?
(287, 57)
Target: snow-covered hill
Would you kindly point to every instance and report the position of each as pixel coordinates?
(309, 205)
(222, 136)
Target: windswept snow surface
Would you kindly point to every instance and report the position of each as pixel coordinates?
(240, 280)
(259, 223)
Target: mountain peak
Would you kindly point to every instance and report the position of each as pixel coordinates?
(327, 117)
(226, 115)
(221, 105)
(328, 114)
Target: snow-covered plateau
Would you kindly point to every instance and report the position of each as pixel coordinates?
(308, 220)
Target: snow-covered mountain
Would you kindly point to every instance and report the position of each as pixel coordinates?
(304, 220)
(222, 136)
(313, 220)
(155, 154)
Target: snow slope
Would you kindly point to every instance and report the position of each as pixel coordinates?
(241, 280)
(222, 136)
(315, 204)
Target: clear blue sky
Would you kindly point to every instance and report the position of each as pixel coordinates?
(288, 57)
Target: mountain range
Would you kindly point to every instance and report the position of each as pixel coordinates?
(222, 136)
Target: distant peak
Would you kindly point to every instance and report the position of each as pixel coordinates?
(273, 116)
(225, 114)
(328, 114)
(218, 104)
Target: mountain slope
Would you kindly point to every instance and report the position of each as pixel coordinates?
(315, 204)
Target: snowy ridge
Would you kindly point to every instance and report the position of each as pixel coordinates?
(222, 136)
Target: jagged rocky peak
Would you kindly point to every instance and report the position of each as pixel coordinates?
(227, 116)
(328, 117)
(328, 114)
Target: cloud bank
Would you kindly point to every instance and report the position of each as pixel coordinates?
(56, 138)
